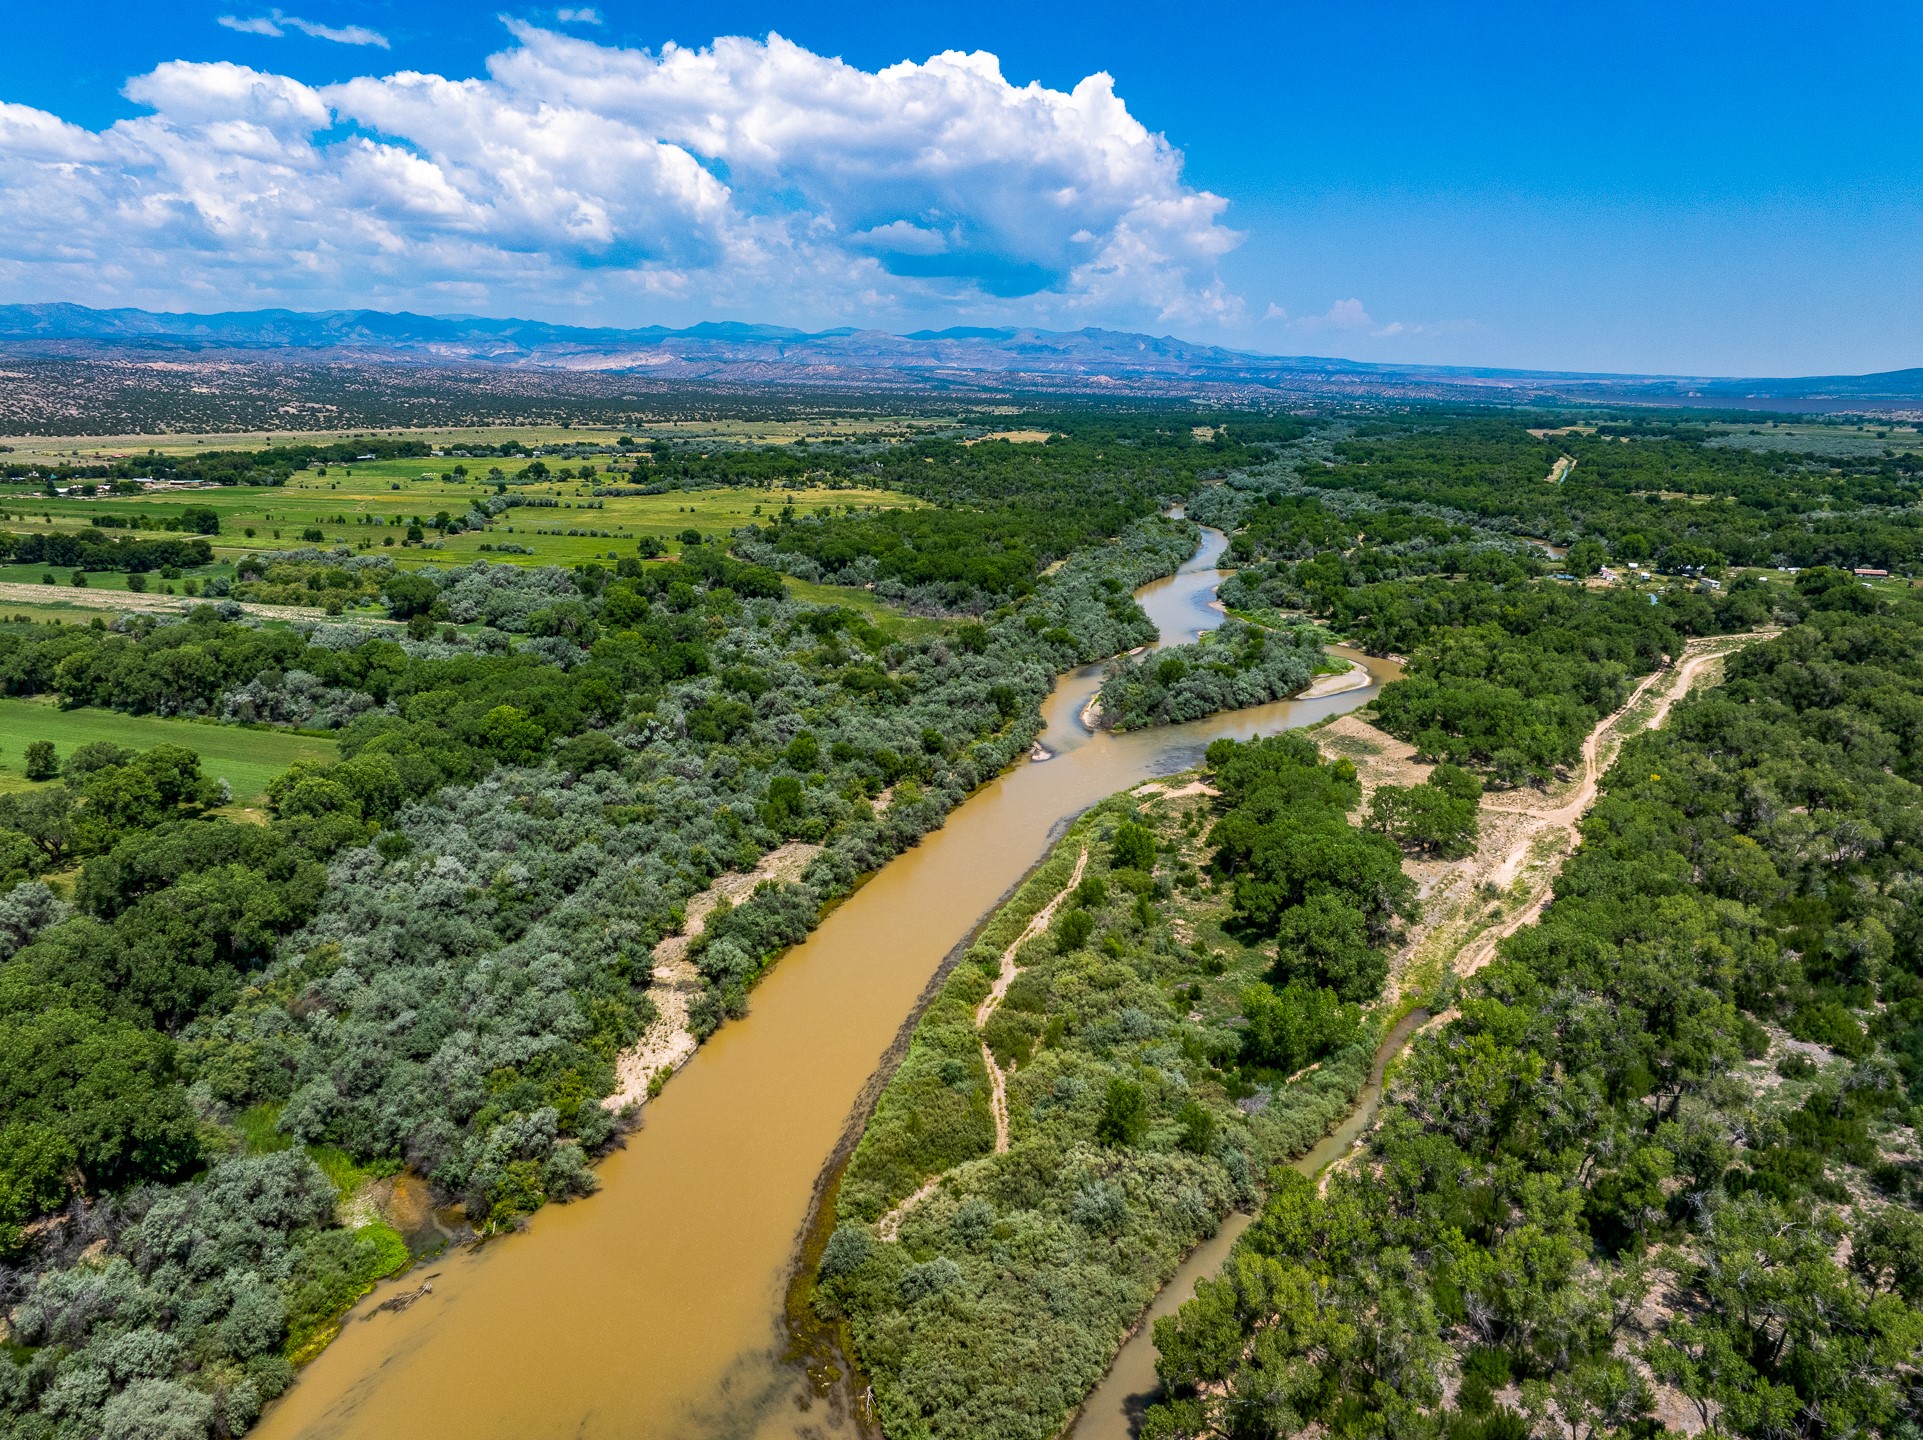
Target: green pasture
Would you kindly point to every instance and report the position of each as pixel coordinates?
(105, 579)
(884, 617)
(245, 758)
(368, 507)
(60, 611)
(755, 431)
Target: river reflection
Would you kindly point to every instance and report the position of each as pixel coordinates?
(654, 1309)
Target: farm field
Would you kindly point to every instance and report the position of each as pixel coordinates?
(245, 758)
(1866, 439)
(367, 506)
(756, 432)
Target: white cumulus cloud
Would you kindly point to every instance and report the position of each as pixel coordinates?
(746, 176)
(1342, 315)
(1350, 317)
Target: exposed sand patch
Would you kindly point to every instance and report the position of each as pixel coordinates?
(90, 599)
(1356, 677)
(668, 1043)
(1161, 789)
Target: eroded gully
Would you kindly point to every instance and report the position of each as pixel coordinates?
(654, 1308)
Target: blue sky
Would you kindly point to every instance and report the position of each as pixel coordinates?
(1724, 189)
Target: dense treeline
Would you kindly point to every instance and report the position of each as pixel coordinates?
(1646, 489)
(1512, 678)
(1351, 540)
(174, 913)
(1667, 1153)
(1227, 669)
(1151, 1044)
(84, 550)
(1507, 671)
(1003, 511)
(1330, 896)
(271, 465)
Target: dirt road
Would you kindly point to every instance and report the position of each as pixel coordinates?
(15, 592)
(1471, 905)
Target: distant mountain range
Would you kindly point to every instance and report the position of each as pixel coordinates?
(965, 360)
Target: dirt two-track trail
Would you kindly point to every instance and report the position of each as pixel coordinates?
(1546, 827)
(1526, 837)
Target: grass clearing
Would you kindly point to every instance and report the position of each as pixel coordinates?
(341, 1171)
(875, 612)
(368, 506)
(245, 758)
(260, 1132)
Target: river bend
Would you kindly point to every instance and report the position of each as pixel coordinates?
(654, 1309)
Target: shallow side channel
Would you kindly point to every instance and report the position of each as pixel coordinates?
(655, 1308)
(1116, 1409)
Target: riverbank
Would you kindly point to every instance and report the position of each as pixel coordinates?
(1103, 1002)
(1356, 677)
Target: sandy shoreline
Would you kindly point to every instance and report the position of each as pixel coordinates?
(1356, 677)
(669, 1043)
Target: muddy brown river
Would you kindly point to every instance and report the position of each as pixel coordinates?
(654, 1308)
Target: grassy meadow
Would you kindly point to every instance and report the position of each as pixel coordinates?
(367, 506)
(245, 758)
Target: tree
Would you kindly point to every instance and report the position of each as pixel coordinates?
(1889, 1253)
(1073, 929)
(35, 1161)
(584, 754)
(1288, 1030)
(1297, 855)
(106, 1087)
(200, 520)
(1598, 1396)
(1704, 1362)
(1134, 847)
(1124, 1114)
(1427, 817)
(45, 817)
(1585, 557)
(42, 762)
(95, 755)
(1325, 941)
(409, 595)
(786, 808)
